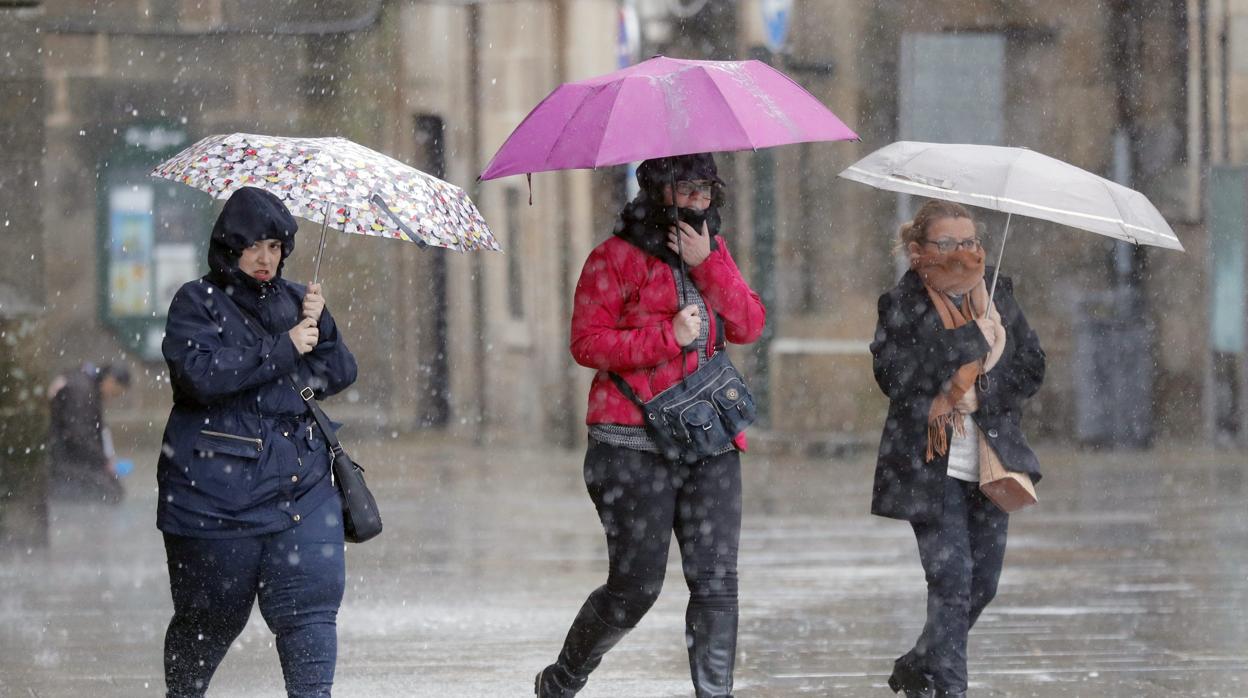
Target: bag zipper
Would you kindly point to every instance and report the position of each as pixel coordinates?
(259, 444)
(678, 406)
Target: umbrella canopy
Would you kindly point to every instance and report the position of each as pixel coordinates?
(663, 107)
(338, 183)
(1016, 180)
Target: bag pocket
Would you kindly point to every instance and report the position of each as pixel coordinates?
(666, 432)
(736, 405)
(706, 432)
(226, 467)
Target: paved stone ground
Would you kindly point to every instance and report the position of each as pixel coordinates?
(1129, 579)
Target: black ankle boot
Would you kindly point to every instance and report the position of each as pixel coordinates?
(909, 678)
(711, 636)
(588, 640)
(546, 685)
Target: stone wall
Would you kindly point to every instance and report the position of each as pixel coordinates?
(23, 356)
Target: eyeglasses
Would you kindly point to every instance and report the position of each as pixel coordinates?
(947, 245)
(687, 188)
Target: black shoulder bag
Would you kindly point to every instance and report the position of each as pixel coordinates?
(701, 415)
(361, 520)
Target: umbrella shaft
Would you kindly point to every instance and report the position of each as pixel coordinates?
(320, 251)
(680, 256)
(996, 273)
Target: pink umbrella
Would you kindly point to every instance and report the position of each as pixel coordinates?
(664, 107)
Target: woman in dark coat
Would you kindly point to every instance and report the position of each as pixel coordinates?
(952, 373)
(247, 505)
(82, 467)
(630, 320)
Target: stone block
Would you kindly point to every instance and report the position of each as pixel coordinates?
(824, 389)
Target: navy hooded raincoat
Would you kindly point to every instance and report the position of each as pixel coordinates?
(241, 455)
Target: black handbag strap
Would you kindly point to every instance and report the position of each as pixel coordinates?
(322, 420)
(627, 389)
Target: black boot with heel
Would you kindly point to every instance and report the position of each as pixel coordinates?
(589, 638)
(909, 678)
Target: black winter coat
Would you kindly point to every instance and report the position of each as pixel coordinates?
(75, 434)
(914, 356)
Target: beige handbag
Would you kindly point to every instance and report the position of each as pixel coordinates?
(1009, 490)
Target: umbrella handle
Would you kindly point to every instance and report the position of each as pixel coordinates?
(320, 252)
(996, 272)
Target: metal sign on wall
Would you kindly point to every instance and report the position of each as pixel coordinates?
(151, 236)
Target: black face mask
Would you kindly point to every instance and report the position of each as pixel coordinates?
(693, 217)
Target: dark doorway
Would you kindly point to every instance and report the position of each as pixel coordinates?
(435, 405)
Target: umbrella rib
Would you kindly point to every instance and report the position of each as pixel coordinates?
(602, 135)
(519, 129)
(1160, 233)
(1110, 190)
(727, 103)
(1009, 170)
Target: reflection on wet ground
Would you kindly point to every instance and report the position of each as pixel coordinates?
(1129, 579)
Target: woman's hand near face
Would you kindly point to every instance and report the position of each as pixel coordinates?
(695, 245)
(686, 325)
(305, 336)
(313, 303)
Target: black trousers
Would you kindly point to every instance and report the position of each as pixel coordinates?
(642, 500)
(962, 552)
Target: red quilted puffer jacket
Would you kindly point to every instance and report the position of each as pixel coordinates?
(622, 322)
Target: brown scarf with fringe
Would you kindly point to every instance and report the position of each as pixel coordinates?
(943, 413)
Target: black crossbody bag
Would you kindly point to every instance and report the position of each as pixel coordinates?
(701, 415)
(361, 519)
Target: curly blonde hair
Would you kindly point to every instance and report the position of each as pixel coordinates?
(931, 211)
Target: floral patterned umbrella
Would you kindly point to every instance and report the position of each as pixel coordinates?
(337, 183)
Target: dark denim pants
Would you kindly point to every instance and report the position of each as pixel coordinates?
(298, 575)
(962, 552)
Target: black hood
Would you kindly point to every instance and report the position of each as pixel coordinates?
(250, 215)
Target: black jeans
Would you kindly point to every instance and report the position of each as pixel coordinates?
(299, 576)
(962, 552)
(641, 500)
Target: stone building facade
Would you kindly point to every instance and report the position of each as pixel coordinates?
(468, 342)
(1115, 88)
(477, 344)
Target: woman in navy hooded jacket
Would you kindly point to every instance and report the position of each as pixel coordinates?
(247, 504)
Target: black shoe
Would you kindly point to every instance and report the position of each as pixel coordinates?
(712, 639)
(950, 694)
(909, 678)
(588, 640)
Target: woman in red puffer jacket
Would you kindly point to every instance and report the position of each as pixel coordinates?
(639, 314)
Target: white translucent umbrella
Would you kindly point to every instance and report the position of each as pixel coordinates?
(1016, 180)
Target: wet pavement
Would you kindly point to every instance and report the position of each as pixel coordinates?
(1129, 579)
